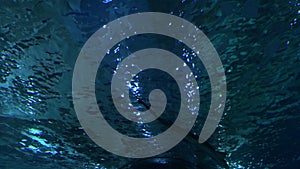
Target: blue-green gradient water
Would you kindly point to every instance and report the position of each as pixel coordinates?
(258, 43)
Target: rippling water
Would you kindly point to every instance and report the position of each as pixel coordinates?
(258, 42)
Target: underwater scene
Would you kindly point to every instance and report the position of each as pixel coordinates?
(257, 43)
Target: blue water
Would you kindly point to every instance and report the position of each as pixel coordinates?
(258, 43)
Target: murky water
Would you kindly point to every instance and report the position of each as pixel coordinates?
(258, 43)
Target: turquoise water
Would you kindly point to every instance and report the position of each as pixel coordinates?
(258, 43)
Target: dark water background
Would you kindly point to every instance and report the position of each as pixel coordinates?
(258, 43)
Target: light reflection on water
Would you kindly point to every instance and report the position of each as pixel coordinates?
(259, 53)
